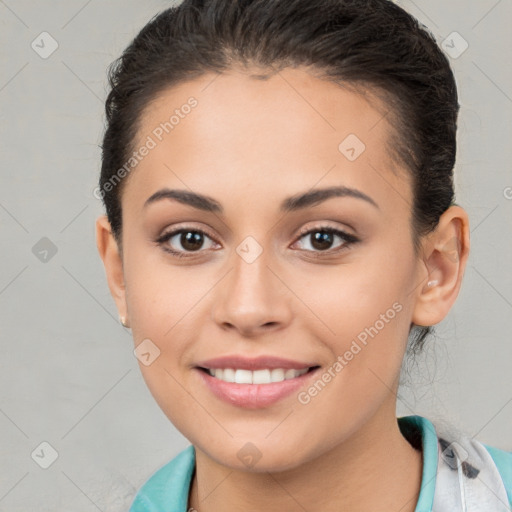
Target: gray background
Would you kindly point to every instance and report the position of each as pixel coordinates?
(67, 371)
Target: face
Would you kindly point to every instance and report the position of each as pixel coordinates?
(257, 271)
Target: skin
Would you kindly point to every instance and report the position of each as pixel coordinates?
(249, 144)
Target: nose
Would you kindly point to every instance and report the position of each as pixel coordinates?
(252, 298)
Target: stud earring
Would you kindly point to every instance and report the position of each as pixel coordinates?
(432, 283)
(122, 319)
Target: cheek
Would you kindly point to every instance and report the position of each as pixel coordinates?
(366, 308)
(162, 297)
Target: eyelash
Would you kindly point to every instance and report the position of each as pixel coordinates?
(346, 237)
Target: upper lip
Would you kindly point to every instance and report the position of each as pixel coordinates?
(255, 363)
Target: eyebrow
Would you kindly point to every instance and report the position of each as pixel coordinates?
(291, 204)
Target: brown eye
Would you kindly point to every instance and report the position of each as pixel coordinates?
(184, 240)
(191, 240)
(322, 238)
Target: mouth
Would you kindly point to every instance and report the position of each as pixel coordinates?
(256, 388)
(262, 376)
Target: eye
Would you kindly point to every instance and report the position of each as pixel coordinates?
(191, 240)
(321, 239)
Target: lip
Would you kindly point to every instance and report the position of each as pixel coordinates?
(255, 363)
(254, 396)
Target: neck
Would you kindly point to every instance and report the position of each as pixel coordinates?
(375, 469)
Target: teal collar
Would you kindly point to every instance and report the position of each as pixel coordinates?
(168, 488)
(421, 433)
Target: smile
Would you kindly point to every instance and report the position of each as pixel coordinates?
(254, 389)
(265, 376)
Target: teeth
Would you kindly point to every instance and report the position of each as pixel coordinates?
(243, 377)
(277, 375)
(228, 375)
(261, 376)
(256, 377)
(289, 374)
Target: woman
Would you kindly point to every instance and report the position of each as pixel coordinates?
(281, 224)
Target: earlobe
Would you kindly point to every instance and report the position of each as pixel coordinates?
(112, 261)
(442, 267)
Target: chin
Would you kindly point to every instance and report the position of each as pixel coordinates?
(254, 457)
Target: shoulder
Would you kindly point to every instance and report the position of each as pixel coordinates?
(459, 472)
(503, 461)
(168, 487)
(483, 472)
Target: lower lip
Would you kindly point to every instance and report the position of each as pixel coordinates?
(253, 396)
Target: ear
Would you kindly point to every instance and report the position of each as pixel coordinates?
(445, 254)
(113, 263)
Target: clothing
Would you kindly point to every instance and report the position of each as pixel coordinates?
(459, 474)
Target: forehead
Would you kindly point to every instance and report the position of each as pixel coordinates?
(279, 135)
